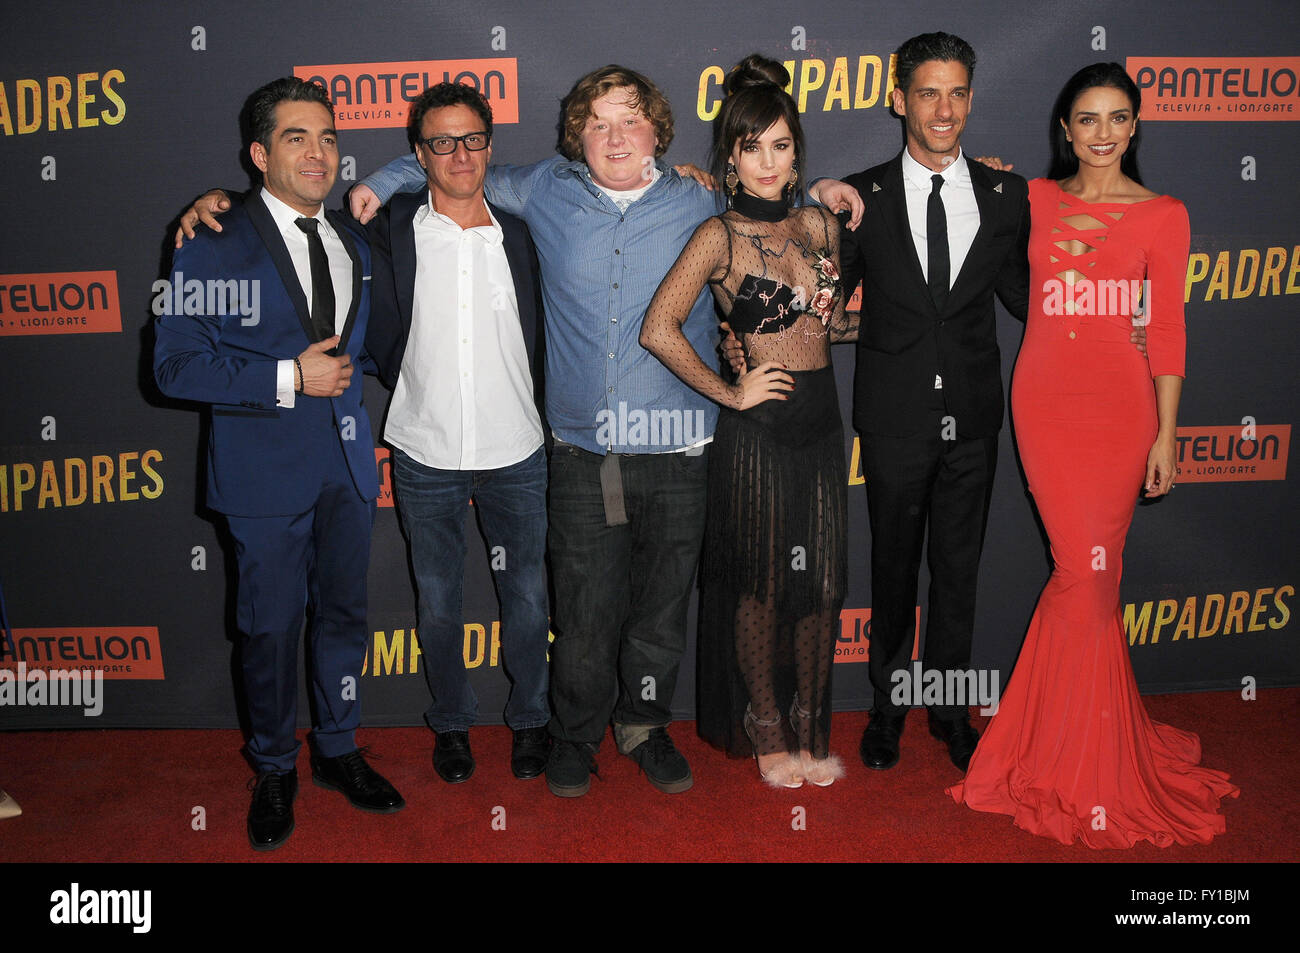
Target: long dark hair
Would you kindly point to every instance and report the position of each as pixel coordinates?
(1064, 162)
(756, 98)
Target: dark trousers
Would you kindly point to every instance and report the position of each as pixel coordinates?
(621, 592)
(317, 561)
(912, 481)
(511, 503)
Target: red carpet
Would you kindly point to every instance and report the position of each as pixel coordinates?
(131, 796)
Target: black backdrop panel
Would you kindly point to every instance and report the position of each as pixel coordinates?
(112, 121)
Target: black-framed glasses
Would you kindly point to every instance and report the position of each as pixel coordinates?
(446, 145)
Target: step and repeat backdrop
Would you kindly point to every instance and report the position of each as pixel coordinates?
(113, 118)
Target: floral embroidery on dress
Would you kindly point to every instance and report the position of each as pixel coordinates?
(828, 287)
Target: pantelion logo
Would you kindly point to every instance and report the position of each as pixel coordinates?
(1217, 88)
(379, 95)
(59, 302)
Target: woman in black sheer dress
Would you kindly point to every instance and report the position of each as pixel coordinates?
(773, 570)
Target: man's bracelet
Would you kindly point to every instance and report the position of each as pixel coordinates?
(302, 382)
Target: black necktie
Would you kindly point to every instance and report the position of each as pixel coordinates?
(322, 288)
(936, 237)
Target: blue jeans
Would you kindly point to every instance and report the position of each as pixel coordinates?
(511, 502)
(621, 592)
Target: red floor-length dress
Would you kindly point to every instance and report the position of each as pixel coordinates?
(1071, 753)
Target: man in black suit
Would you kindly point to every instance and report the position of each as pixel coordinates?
(941, 234)
(454, 329)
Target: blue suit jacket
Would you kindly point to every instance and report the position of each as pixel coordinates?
(392, 240)
(264, 460)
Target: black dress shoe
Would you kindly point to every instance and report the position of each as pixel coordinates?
(361, 784)
(452, 758)
(959, 736)
(879, 748)
(528, 752)
(270, 818)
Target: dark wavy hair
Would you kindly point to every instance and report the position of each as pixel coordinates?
(756, 98)
(257, 119)
(931, 46)
(1064, 162)
(575, 108)
(446, 94)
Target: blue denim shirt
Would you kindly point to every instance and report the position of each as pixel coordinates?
(600, 268)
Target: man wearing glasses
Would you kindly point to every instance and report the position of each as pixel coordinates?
(627, 508)
(454, 331)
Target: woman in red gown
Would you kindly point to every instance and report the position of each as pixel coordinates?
(1071, 753)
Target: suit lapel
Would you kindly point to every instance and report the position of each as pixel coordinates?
(893, 197)
(401, 244)
(337, 221)
(521, 270)
(986, 200)
(262, 221)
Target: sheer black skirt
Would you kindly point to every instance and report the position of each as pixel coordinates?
(773, 572)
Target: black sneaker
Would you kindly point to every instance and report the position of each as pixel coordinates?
(569, 768)
(662, 763)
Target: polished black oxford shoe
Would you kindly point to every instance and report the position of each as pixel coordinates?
(528, 752)
(959, 736)
(361, 784)
(879, 747)
(270, 817)
(452, 758)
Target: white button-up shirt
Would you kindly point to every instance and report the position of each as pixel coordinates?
(295, 239)
(464, 397)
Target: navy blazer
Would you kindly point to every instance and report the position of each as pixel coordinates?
(904, 340)
(263, 460)
(392, 241)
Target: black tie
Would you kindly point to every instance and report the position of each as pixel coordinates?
(322, 288)
(936, 236)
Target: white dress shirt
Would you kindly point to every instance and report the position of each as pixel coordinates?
(340, 274)
(464, 396)
(959, 208)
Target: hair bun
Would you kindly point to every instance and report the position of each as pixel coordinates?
(756, 70)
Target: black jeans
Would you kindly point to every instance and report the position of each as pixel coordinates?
(621, 592)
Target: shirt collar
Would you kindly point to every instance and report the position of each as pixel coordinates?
(284, 216)
(578, 169)
(632, 194)
(919, 176)
(426, 217)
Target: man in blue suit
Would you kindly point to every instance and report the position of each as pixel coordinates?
(456, 336)
(275, 313)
